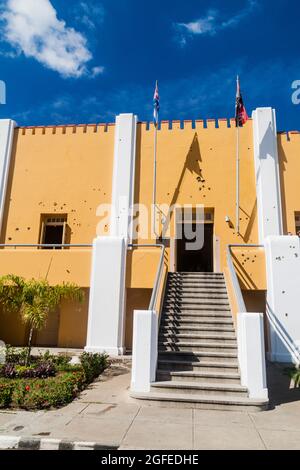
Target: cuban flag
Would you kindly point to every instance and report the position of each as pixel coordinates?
(156, 105)
(241, 116)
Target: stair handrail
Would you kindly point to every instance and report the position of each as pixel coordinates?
(294, 351)
(159, 271)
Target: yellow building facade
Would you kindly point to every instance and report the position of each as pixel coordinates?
(55, 178)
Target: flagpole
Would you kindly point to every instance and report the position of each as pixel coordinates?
(154, 179)
(237, 208)
(238, 179)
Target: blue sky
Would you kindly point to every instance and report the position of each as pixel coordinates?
(84, 61)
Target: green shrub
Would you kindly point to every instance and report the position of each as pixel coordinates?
(295, 376)
(60, 360)
(16, 355)
(6, 390)
(93, 365)
(31, 387)
(46, 393)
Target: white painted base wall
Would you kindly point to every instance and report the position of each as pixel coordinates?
(144, 350)
(106, 327)
(283, 283)
(251, 353)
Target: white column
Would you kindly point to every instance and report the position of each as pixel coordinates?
(107, 294)
(251, 347)
(283, 281)
(106, 322)
(6, 140)
(123, 175)
(144, 350)
(267, 173)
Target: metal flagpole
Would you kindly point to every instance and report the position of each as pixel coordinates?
(154, 178)
(238, 179)
(237, 213)
(156, 111)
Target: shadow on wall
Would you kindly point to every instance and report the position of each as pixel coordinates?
(191, 163)
(284, 344)
(251, 219)
(281, 389)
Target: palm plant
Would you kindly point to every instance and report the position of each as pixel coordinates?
(34, 300)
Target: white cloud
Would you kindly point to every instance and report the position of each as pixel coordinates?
(32, 27)
(96, 71)
(211, 23)
(89, 14)
(205, 25)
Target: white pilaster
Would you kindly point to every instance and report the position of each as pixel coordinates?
(144, 350)
(123, 175)
(6, 140)
(267, 173)
(251, 353)
(106, 322)
(283, 281)
(107, 294)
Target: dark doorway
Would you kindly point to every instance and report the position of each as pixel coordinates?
(53, 235)
(196, 260)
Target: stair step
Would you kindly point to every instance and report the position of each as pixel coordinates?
(197, 298)
(209, 402)
(200, 388)
(194, 338)
(199, 377)
(226, 331)
(197, 307)
(202, 365)
(196, 274)
(196, 356)
(202, 320)
(196, 346)
(197, 281)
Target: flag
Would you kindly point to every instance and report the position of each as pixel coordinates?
(156, 104)
(241, 116)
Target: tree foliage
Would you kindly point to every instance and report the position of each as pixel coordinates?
(34, 299)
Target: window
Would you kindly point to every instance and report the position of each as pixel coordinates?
(53, 230)
(297, 222)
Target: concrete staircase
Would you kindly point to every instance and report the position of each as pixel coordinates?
(197, 359)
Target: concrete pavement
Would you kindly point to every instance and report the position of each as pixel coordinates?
(106, 415)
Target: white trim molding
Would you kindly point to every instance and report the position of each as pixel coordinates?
(267, 173)
(7, 127)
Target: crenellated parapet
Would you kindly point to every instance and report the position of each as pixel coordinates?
(66, 129)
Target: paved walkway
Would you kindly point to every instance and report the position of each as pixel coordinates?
(107, 415)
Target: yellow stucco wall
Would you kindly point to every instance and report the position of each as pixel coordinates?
(289, 158)
(197, 166)
(58, 170)
(55, 170)
(68, 170)
(136, 299)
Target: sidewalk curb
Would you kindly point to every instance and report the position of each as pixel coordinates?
(32, 443)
